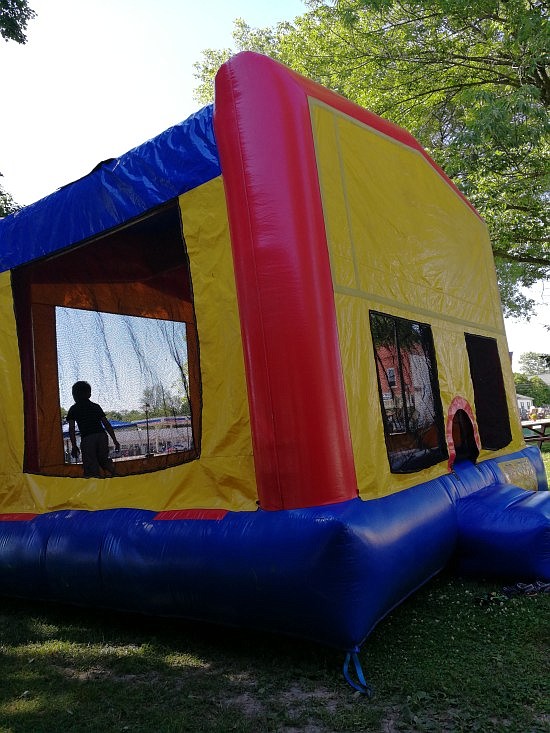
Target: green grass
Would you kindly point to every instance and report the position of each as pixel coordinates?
(458, 656)
(546, 459)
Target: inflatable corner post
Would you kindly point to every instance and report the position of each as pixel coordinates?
(292, 317)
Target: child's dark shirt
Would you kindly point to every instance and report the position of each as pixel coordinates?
(88, 417)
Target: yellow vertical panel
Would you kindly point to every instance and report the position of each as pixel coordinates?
(11, 415)
(225, 415)
(334, 201)
(452, 364)
(15, 493)
(367, 432)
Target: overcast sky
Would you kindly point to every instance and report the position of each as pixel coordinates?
(98, 77)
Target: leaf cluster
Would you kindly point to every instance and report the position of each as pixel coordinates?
(533, 363)
(14, 16)
(7, 204)
(533, 387)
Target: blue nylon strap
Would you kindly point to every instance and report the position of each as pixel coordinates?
(359, 683)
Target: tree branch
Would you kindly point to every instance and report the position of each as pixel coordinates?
(540, 261)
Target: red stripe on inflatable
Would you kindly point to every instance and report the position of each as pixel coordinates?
(192, 514)
(17, 517)
(300, 427)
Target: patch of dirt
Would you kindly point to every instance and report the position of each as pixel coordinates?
(247, 704)
(295, 701)
(389, 723)
(100, 673)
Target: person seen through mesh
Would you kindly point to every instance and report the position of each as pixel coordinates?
(92, 424)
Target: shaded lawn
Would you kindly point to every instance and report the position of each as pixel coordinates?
(458, 656)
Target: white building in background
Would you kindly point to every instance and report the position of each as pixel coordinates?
(525, 405)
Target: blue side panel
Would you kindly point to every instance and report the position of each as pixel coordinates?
(79, 579)
(326, 574)
(178, 160)
(504, 531)
(23, 547)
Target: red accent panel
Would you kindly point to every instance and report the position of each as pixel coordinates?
(300, 427)
(17, 517)
(192, 514)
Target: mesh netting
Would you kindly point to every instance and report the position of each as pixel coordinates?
(138, 371)
(409, 397)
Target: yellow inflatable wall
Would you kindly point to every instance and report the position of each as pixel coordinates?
(399, 235)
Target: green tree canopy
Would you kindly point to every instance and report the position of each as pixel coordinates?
(533, 387)
(7, 204)
(532, 363)
(14, 16)
(469, 78)
(163, 402)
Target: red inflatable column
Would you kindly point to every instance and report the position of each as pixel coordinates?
(300, 427)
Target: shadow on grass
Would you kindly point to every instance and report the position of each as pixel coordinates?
(457, 656)
(71, 669)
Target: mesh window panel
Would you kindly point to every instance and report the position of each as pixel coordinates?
(140, 369)
(118, 313)
(409, 394)
(493, 420)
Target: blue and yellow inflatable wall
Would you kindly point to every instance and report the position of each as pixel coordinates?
(307, 245)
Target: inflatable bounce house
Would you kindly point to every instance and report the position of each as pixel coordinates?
(329, 301)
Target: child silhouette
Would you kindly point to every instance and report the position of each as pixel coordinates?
(92, 424)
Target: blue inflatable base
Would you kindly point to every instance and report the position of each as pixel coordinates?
(328, 574)
(504, 531)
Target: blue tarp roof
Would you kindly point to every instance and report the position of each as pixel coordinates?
(116, 191)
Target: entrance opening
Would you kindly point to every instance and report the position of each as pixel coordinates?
(463, 438)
